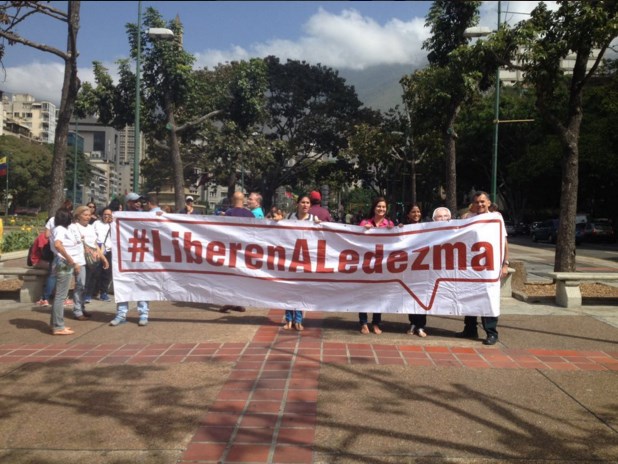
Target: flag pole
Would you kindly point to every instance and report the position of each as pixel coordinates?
(6, 193)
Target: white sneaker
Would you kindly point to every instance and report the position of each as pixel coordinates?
(421, 333)
(143, 322)
(117, 321)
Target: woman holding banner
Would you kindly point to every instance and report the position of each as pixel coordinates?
(377, 219)
(417, 321)
(294, 317)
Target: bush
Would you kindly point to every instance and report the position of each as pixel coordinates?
(19, 239)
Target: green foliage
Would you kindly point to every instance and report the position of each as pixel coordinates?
(447, 21)
(20, 239)
(29, 167)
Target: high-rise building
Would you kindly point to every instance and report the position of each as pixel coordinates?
(22, 110)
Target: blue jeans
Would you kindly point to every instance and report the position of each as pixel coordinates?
(50, 284)
(376, 318)
(294, 315)
(123, 308)
(78, 292)
(62, 280)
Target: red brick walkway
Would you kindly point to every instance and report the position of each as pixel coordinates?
(267, 409)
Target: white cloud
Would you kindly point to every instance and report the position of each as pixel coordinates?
(511, 12)
(345, 40)
(42, 80)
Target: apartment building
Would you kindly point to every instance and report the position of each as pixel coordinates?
(39, 117)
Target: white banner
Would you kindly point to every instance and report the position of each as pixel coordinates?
(448, 268)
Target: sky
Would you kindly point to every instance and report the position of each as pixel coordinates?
(338, 34)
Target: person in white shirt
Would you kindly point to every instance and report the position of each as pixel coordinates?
(103, 229)
(69, 261)
(85, 231)
(50, 284)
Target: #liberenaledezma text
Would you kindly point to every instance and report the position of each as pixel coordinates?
(441, 268)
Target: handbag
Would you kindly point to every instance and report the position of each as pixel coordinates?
(91, 253)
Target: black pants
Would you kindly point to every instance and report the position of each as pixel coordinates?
(490, 324)
(105, 275)
(418, 320)
(92, 276)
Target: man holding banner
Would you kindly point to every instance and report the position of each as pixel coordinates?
(134, 203)
(482, 203)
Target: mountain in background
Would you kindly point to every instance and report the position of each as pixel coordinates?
(378, 87)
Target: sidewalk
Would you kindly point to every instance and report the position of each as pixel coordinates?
(200, 386)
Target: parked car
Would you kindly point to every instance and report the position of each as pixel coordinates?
(534, 226)
(522, 228)
(598, 232)
(510, 228)
(579, 232)
(546, 231)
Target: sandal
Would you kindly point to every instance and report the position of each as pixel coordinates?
(298, 326)
(65, 331)
(288, 326)
(364, 329)
(376, 329)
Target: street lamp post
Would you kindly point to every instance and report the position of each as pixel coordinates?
(494, 158)
(138, 73)
(474, 32)
(75, 163)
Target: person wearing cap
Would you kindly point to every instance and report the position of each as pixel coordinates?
(134, 203)
(254, 202)
(317, 209)
(188, 209)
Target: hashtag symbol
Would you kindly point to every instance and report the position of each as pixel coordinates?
(138, 245)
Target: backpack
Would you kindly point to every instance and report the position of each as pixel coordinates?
(46, 253)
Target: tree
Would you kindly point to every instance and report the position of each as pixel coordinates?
(310, 111)
(538, 46)
(454, 74)
(29, 165)
(12, 14)
(177, 100)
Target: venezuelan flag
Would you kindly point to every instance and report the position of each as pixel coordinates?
(3, 167)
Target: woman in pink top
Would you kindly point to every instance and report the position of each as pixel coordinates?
(377, 218)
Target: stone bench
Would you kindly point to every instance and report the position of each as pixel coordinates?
(568, 293)
(33, 281)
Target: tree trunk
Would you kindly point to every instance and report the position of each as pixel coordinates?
(450, 153)
(70, 87)
(177, 167)
(231, 185)
(565, 246)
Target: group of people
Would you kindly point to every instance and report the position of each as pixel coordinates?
(481, 204)
(73, 235)
(80, 243)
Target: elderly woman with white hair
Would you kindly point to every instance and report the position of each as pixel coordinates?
(418, 321)
(441, 213)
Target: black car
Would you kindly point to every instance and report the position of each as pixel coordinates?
(546, 231)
